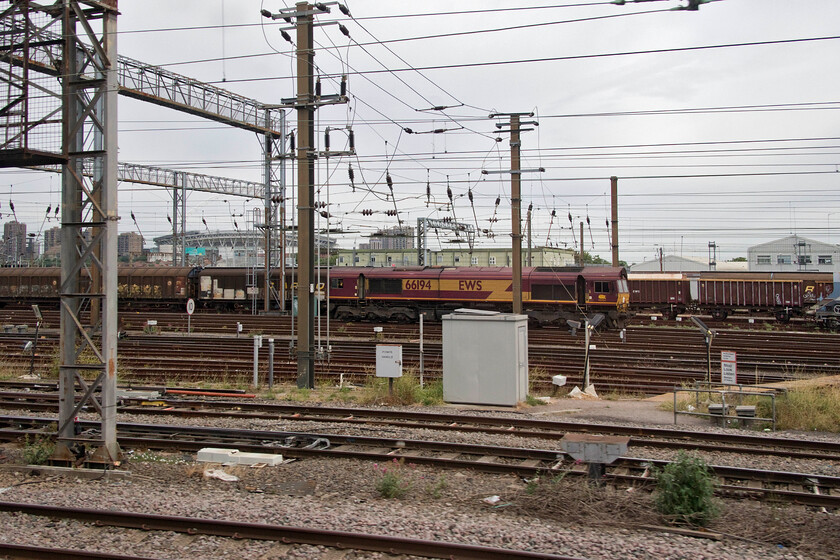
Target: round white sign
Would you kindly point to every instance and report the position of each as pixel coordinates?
(190, 306)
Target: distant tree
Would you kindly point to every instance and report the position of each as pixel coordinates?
(596, 259)
(738, 259)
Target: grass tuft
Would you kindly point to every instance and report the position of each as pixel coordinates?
(808, 408)
(407, 391)
(531, 400)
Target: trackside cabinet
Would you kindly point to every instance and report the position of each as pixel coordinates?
(485, 357)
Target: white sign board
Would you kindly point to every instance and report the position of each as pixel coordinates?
(388, 360)
(729, 368)
(190, 306)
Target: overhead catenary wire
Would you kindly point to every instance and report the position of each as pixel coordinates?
(442, 35)
(411, 186)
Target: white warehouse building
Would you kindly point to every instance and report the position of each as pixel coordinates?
(794, 254)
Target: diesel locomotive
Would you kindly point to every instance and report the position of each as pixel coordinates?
(550, 295)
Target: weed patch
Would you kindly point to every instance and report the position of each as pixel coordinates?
(406, 391)
(438, 487)
(531, 400)
(38, 449)
(147, 456)
(394, 479)
(685, 492)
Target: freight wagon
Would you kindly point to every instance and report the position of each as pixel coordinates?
(782, 294)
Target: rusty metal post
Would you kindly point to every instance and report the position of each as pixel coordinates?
(528, 223)
(516, 212)
(614, 221)
(581, 244)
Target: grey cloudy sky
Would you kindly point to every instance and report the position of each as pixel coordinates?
(736, 145)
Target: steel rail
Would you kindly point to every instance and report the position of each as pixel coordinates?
(43, 553)
(281, 533)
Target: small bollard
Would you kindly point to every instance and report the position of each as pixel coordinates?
(558, 381)
(238, 329)
(270, 363)
(745, 414)
(257, 346)
(598, 451)
(377, 333)
(718, 413)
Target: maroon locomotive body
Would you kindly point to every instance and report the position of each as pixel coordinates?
(549, 295)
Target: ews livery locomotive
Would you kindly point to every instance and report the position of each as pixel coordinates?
(549, 295)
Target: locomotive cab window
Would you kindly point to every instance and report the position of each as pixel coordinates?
(622, 285)
(602, 287)
(336, 283)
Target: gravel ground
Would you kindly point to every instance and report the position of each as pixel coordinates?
(563, 516)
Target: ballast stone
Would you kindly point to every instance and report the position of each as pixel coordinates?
(222, 455)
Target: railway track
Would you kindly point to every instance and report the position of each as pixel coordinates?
(801, 488)
(652, 362)
(225, 323)
(662, 438)
(340, 540)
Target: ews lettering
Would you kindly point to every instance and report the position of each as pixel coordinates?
(469, 285)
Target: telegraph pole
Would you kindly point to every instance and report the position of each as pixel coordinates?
(305, 103)
(515, 198)
(306, 194)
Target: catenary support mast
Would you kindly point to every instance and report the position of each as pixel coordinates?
(89, 223)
